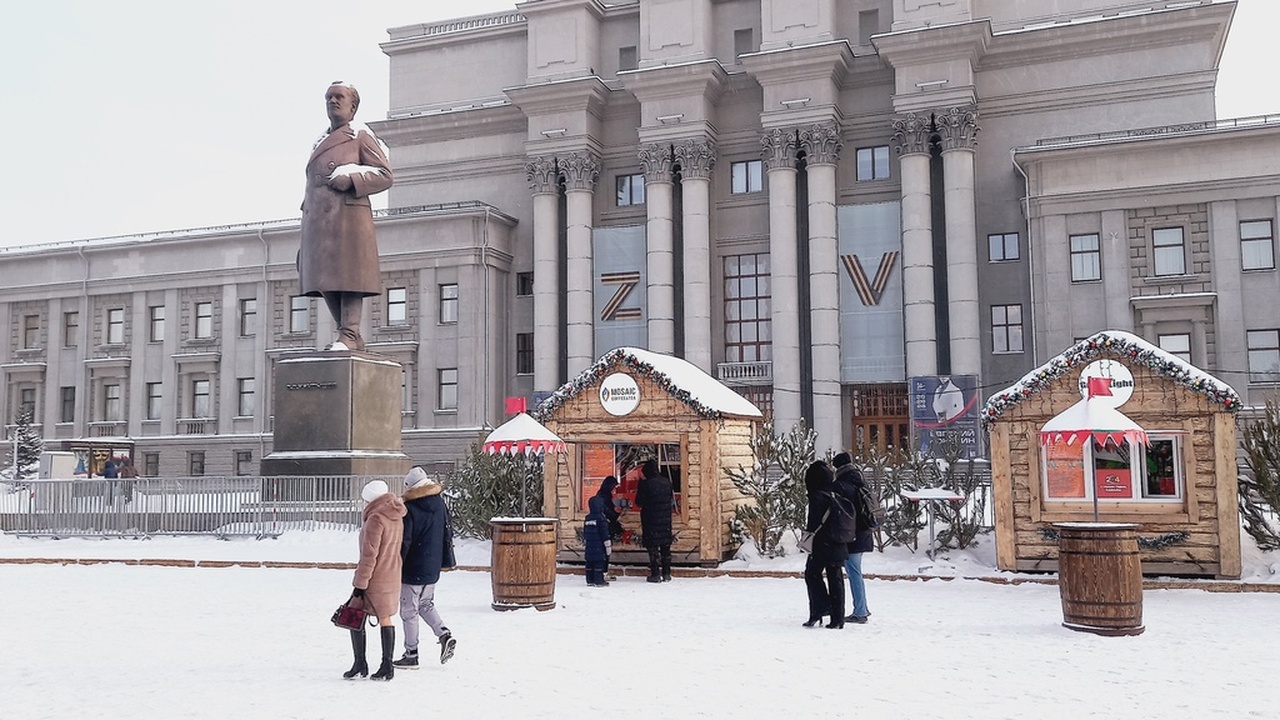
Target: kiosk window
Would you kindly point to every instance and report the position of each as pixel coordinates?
(623, 461)
(1115, 472)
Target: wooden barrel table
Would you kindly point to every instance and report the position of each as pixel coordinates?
(1100, 578)
(523, 563)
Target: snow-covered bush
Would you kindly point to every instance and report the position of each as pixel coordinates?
(774, 486)
(1259, 494)
(485, 486)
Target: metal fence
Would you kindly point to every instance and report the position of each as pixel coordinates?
(207, 505)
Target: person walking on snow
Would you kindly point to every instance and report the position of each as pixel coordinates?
(849, 482)
(378, 575)
(426, 549)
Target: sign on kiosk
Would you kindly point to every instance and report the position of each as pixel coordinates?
(619, 394)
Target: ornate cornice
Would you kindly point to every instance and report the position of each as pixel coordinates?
(542, 175)
(911, 134)
(778, 149)
(958, 128)
(655, 162)
(697, 158)
(821, 143)
(580, 169)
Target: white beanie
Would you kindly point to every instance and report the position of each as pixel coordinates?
(374, 490)
(416, 476)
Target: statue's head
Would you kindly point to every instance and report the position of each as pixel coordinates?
(341, 101)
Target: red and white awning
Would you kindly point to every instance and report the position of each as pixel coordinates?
(522, 434)
(1092, 419)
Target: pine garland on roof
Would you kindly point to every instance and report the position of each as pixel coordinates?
(596, 373)
(1110, 345)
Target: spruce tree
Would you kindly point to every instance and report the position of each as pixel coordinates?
(29, 446)
(1259, 490)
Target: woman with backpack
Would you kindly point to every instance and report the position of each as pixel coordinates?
(828, 554)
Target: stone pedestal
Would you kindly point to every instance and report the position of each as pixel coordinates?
(336, 413)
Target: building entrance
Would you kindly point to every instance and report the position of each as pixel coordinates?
(879, 415)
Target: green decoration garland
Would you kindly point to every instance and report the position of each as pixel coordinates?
(1153, 543)
(1114, 345)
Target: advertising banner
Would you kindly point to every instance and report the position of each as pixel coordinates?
(945, 407)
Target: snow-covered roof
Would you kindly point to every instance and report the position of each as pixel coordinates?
(682, 379)
(1116, 344)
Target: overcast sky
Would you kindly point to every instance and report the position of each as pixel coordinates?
(135, 116)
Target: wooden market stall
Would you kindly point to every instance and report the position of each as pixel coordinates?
(1179, 488)
(632, 405)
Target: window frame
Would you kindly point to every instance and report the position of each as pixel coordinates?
(1140, 492)
(155, 400)
(448, 305)
(1008, 331)
(112, 402)
(1080, 256)
(1184, 355)
(629, 190)
(114, 326)
(248, 313)
(246, 397)
(1258, 241)
(397, 306)
(243, 462)
(1270, 347)
(751, 175)
(30, 331)
(998, 247)
(67, 404)
(155, 323)
(524, 284)
(872, 163)
(524, 353)
(1166, 251)
(447, 389)
(195, 463)
(202, 327)
(201, 398)
(299, 315)
(748, 308)
(70, 328)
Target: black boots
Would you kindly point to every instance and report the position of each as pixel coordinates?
(361, 666)
(386, 671)
(654, 576)
(659, 564)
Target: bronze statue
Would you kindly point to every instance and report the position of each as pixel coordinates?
(338, 257)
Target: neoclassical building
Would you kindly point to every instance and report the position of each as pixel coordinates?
(812, 200)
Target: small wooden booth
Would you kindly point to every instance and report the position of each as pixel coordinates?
(633, 405)
(1179, 488)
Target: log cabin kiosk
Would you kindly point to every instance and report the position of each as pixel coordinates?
(1180, 488)
(632, 405)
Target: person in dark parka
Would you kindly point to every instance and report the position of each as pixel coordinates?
(828, 556)
(595, 533)
(426, 549)
(849, 482)
(656, 500)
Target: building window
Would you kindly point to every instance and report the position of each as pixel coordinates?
(448, 389)
(204, 319)
(1257, 250)
(115, 326)
(153, 400)
(873, 163)
(1086, 258)
(524, 353)
(524, 284)
(1177, 344)
(627, 58)
(630, 190)
(151, 464)
(248, 316)
(68, 411)
(1006, 328)
(300, 314)
(156, 325)
(868, 25)
(30, 331)
(397, 304)
(1264, 355)
(747, 308)
(112, 406)
(70, 328)
(199, 398)
(244, 462)
(27, 401)
(1123, 472)
(744, 41)
(195, 462)
(746, 176)
(1002, 247)
(1167, 251)
(448, 304)
(245, 395)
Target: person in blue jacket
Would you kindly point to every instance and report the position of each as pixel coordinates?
(426, 549)
(596, 533)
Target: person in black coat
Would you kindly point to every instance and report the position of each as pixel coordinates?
(656, 500)
(828, 556)
(595, 533)
(426, 549)
(850, 483)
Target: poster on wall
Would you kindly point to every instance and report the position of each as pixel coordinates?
(944, 408)
(1064, 470)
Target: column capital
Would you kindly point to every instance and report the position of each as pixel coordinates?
(958, 128)
(821, 143)
(581, 170)
(542, 175)
(655, 162)
(697, 157)
(911, 133)
(778, 149)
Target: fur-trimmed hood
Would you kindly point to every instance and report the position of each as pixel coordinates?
(425, 489)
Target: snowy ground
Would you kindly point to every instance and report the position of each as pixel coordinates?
(128, 641)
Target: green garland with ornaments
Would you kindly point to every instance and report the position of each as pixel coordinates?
(594, 374)
(1105, 344)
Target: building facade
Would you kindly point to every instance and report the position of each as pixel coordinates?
(813, 201)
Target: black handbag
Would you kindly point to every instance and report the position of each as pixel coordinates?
(350, 615)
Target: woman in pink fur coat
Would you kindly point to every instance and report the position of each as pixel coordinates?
(377, 579)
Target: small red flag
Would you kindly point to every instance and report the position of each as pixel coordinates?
(1099, 386)
(518, 405)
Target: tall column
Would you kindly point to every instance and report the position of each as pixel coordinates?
(958, 130)
(655, 162)
(544, 181)
(581, 169)
(911, 136)
(779, 155)
(697, 159)
(822, 149)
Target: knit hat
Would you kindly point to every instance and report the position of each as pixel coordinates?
(374, 490)
(841, 460)
(416, 477)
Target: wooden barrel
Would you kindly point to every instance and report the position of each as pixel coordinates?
(1100, 578)
(523, 563)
